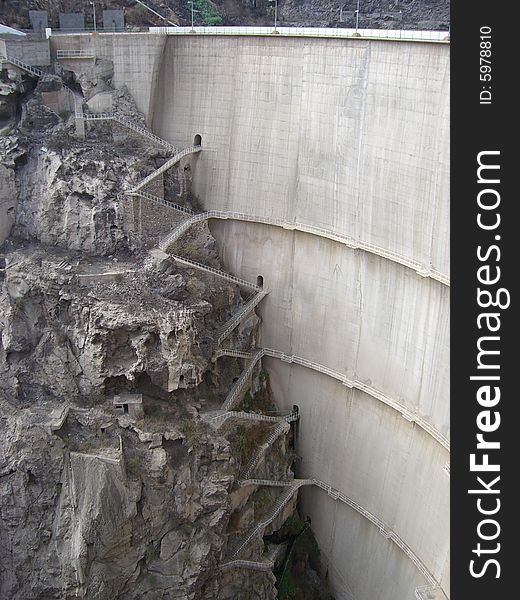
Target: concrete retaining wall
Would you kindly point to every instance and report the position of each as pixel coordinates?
(31, 52)
(137, 59)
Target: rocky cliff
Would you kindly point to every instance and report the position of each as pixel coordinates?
(102, 497)
(394, 14)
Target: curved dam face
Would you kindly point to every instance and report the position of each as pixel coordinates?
(335, 153)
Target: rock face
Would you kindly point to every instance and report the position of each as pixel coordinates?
(71, 333)
(12, 85)
(406, 14)
(78, 522)
(95, 503)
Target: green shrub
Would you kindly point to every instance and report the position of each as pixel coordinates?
(246, 402)
(19, 304)
(184, 248)
(245, 440)
(133, 467)
(263, 376)
(152, 552)
(192, 432)
(287, 587)
(207, 11)
(239, 440)
(262, 499)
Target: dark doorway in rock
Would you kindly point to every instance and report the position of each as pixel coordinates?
(260, 281)
(197, 140)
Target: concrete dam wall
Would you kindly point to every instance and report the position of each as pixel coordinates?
(335, 153)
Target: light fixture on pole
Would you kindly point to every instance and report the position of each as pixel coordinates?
(193, 11)
(275, 14)
(357, 17)
(94, 13)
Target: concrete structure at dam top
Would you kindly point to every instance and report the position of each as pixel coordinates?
(352, 136)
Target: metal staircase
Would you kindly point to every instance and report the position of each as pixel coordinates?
(294, 485)
(129, 125)
(218, 420)
(281, 429)
(158, 200)
(233, 397)
(267, 565)
(196, 265)
(241, 315)
(168, 164)
(230, 352)
(279, 504)
(21, 65)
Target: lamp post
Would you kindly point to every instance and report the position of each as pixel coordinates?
(94, 12)
(275, 13)
(193, 11)
(357, 16)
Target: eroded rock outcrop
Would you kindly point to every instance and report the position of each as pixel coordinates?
(97, 501)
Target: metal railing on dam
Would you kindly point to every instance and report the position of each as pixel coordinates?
(394, 35)
(322, 32)
(294, 485)
(244, 311)
(74, 54)
(234, 394)
(419, 268)
(254, 357)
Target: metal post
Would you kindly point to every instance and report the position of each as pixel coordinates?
(94, 11)
(357, 16)
(275, 13)
(193, 11)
